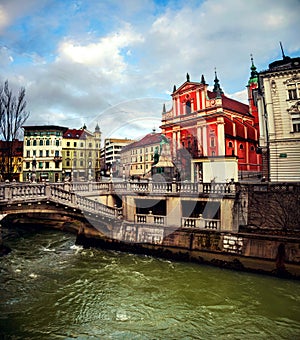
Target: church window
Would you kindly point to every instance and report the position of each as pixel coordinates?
(230, 145)
(188, 107)
(241, 146)
(252, 148)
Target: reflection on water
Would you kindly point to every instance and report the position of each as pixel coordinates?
(52, 289)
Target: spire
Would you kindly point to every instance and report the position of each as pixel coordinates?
(187, 77)
(202, 80)
(254, 73)
(174, 88)
(84, 127)
(283, 55)
(164, 109)
(217, 88)
(97, 128)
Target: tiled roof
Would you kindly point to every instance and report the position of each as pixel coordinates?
(73, 133)
(149, 139)
(231, 104)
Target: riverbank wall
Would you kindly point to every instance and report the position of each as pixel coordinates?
(277, 255)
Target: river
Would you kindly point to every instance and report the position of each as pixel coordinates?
(52, 289)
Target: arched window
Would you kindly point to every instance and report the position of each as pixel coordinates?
(241, 146)
(188, 107)
(230, 145)
(41, 142)
(47, 142)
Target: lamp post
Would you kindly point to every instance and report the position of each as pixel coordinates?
(33, 175)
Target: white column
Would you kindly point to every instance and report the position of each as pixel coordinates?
(199, 138)
(204, 140)
(198, 100)
(174, 141)
(178, 107)
(221, 139)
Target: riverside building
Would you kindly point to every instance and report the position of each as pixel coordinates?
(81, 154)
(278, 102)
(137, 158)
(42, 154)
(209, 130)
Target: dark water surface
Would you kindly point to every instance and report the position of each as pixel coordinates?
(51, 289)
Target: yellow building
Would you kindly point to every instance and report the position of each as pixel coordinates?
(137, 158)
(81, 154)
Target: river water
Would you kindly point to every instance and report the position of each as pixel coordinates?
(51, 289)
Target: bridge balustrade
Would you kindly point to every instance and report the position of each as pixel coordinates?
(150, 219)
(200, 223)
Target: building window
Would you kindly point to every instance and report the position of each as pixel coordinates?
(47, 153)
(57, 142)
(68, 143)
(252, 148)
(56, 153)
(34, 152)
(213, 153)
(241, 146)
(296, 127)
(292, 92)
(41, 153)
(48, 142)
(141, 158)
(68, 153)
(34, 142)
(56, 165)
(90, 145)
(47, 165)
(28, 153)
(188, 107)
(75, 144)
(40, 165)
(41, 142)
(67, 163)
(74, 163)
(81, 163)
(28, 142)
(75, 153)
(81, 145)
(27, 165)
(212, 142)
(230, 145)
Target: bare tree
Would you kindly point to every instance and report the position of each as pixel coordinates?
(12, 116)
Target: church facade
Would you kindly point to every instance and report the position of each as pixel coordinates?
(206, 126)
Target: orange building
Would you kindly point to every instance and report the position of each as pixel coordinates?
(207, 125)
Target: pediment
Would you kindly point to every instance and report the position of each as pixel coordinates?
(295, 107)
(186, 87)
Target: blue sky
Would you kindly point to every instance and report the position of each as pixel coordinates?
(115, 62)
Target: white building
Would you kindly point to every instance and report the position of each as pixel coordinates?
(279, 118)
(110, 154)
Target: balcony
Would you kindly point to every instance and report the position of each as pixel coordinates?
(57, 159)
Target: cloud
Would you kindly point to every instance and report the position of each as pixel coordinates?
(115, 62)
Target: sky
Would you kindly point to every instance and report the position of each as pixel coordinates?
(115, 62)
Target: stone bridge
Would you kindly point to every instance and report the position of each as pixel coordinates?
(83, 201)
